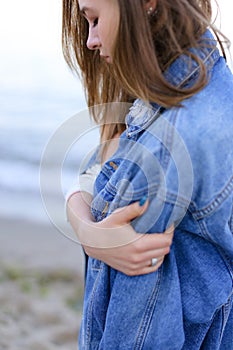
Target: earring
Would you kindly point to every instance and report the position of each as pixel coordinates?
(149, 11)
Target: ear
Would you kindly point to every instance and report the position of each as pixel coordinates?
(150, 6)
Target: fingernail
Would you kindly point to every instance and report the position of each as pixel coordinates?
(142, 201)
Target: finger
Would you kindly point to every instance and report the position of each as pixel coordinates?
(170, 230)
(150, 243)
(146, 269)
(142, 260)
(126, 214)
(155, 261)
(157, 253)
(150, 268)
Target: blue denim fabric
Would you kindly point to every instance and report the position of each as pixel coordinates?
(182, 159)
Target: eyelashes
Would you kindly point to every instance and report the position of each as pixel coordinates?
(92, 21)
(95, 22)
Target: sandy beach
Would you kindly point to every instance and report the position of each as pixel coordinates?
(41, 287)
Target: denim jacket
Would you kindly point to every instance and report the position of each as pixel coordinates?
(182, 159)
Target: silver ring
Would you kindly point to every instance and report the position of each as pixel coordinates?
(154, 261)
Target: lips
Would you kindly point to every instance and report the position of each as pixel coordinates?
(106, 58)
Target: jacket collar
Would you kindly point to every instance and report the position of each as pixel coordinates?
(183, 72)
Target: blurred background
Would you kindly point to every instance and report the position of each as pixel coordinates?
(41, 270)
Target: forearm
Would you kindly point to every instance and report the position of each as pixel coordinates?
(79, 214)
(127, 251)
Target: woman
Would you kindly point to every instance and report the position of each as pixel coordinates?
(141, 256)
(177, 151)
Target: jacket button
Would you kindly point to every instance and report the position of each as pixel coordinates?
(113, 165)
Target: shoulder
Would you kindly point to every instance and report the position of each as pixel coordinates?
(195, 141)
(206, 119)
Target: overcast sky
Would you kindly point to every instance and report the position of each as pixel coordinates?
(30, 36)
(30, 50)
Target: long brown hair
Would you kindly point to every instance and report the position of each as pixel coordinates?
(144, 47)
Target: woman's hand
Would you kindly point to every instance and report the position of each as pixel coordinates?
(128, 251)
(114, 241)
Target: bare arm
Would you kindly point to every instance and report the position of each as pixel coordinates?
(114, 241)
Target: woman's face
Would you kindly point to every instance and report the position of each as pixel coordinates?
(103, 19)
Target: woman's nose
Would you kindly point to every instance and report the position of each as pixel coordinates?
(93, 42)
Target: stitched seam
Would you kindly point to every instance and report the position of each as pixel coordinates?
(228, 262)
(201, 335)
(204, 230)
(197, 68)
(215, 204)
(231, 220)
(161, 109)
(170, 198)
(145, 323)
(146, 125)
(90, 309)
(204, 332)
(112, 190)
(205, 233)
(226, 311)
(169, 135)
(107, 172)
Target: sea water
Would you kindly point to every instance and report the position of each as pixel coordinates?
(28, 121)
